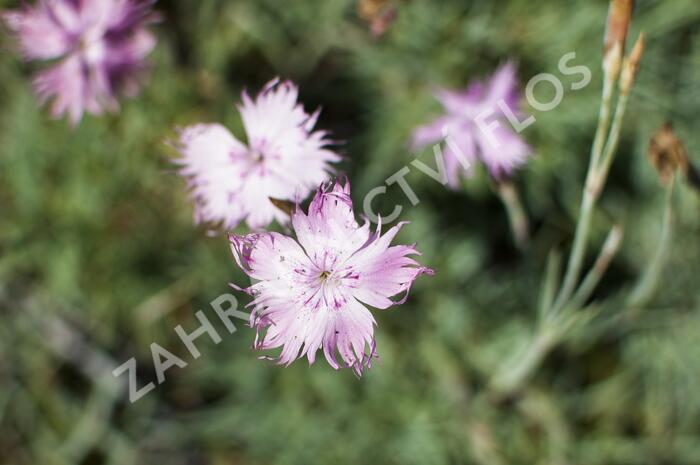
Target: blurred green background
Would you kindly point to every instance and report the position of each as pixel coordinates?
(99, 257)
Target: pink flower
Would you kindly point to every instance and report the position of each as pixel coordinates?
(99, 45)
(310, 293)
(501, 150)
(283, 159)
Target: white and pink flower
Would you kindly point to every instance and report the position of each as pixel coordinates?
(312, 292)
(100, 47)
(284, 158)
(501, 150)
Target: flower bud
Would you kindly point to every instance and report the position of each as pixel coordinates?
(379, 13)
(630, 67)
(667, 154)
(619, 18)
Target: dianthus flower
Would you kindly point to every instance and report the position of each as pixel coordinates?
(284, 159)
(499, 148)
(98, 46)
(311, 293)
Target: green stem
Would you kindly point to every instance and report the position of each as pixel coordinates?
(510, 380)
(613, 141)
(590, 195)
(562, 314)
(578, 251)
(645, 289)
(550, 283)
(590, 282)
(595, 182)
(603, 126)
(519, 223)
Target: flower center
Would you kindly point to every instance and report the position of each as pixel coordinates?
(92, 47)
(324, 275)
(256, 156)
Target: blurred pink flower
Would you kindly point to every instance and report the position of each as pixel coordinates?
(502, 150)
(100, 46)
(284, 158)
(310, 293)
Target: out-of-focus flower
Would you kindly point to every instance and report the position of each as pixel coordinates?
(100, 46)
(310, 293)
(667, 154)
(284, 159)
(500, 148)
(380, 14)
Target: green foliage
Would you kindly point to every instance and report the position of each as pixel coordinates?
(99, 257)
